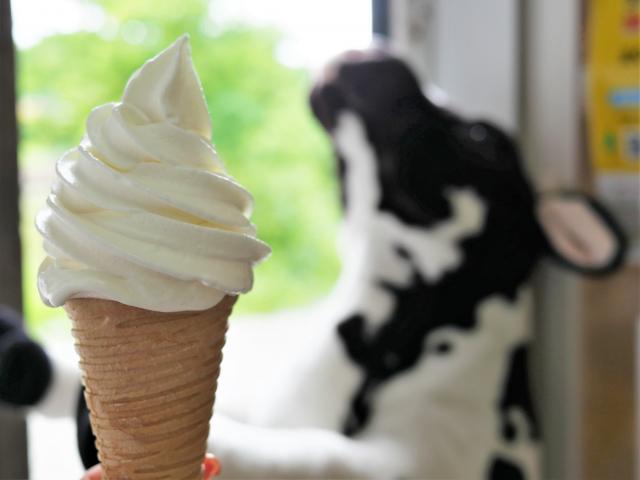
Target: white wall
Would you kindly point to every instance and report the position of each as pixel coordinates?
(467, 47)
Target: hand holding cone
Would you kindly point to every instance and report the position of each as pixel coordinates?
(210, 468)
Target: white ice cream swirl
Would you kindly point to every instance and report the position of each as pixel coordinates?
(143, 211)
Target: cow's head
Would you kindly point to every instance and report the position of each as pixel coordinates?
(423, 151)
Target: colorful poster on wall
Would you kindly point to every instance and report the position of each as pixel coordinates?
(613, 107)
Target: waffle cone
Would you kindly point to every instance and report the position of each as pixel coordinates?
(150, 381)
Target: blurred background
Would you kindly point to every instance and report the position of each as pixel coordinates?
(561, 76)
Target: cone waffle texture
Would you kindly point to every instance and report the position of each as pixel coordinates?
(150, 381)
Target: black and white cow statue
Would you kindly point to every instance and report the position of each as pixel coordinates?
(416, 365)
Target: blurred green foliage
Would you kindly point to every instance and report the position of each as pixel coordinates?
(262, 128)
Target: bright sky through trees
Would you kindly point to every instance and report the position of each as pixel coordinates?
(313, 31)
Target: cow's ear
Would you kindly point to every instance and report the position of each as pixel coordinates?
(580, 233)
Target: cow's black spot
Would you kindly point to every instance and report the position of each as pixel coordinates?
(360, 411)
(443, 347)
(477, 133)
(402, 252)
(25, 369)
(351, 331)
(508, 430)
(341, 170)
(84, 433)
(391, 360)
(502, 469)
(516, 393)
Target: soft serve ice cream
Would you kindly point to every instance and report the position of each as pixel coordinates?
(143, 212)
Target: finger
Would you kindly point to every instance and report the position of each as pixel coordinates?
(94, 473)
(210, 467)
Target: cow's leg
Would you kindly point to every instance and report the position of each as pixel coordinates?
(246, 451)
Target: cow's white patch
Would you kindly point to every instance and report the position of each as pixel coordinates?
(363, 188)
(61, 396)
(450, 400)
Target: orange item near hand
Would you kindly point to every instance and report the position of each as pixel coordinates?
(211, 467)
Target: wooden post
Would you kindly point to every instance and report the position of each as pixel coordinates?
(13, 448)
(608, 417)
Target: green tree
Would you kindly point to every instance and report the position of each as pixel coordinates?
(262, 129)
